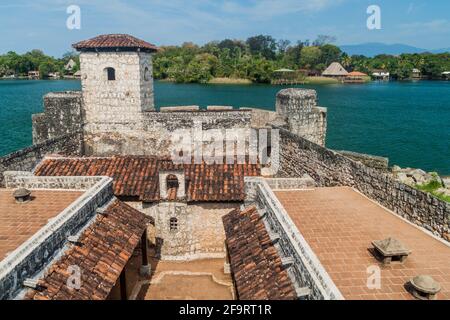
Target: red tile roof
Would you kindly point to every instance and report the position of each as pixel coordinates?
(357, 74)
(106, 247)
(113, 41)
(255, 263)
(139, 176)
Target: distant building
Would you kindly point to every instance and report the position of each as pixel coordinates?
(77, 74)
(446, 75)
(416, 74)
(70, 65)
(335, 70)
(286, 77)
(356, 77)
(310, 72)
(33, 75)
(379, 74)
(54, 75)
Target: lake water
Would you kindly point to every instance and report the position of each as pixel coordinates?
(409, 122)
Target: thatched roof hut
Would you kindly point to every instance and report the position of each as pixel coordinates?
(335, 70)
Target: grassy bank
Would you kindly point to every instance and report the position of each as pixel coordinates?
(320, 80)
(230, 81)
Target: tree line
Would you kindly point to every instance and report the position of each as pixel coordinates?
(12, 63)
(254, 59)
(258, 57)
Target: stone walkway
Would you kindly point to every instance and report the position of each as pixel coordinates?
(187, 280)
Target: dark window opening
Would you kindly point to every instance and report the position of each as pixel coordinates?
(110, 74)
(173, 224)
(172, 182)
(147, 75)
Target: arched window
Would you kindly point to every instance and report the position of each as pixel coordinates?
(147, 74)
(110, 74)
(173, 224)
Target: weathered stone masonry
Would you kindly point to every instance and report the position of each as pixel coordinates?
(328, 168)
(62, 116)
(26, 159)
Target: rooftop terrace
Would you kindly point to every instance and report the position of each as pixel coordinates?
(19, 221)
(340, 224)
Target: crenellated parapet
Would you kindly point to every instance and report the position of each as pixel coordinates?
(298, 107)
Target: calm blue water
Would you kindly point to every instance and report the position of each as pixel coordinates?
(409, 122)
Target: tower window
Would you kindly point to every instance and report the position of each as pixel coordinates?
(173, 224)
(110, 74)
(172, 182)
(147, 75)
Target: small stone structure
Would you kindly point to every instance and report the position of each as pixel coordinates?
(304, 118)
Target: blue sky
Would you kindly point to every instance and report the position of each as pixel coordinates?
(28, 24)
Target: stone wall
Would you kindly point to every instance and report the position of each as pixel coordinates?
(153, 134)
(299, 109)
(62, 115)
(26, 159)
(25, 179)
(328, 168)
(28, 260)
(371, 161)
(200, 233)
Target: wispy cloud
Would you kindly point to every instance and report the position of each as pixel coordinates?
(264, 9)
(433, 26)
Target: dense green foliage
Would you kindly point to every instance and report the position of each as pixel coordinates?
(257, 57)
(12, 63)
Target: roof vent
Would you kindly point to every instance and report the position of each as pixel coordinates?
(74, 240)
(287, 262)
(391, 250)
(22, 195)
(33, 284)
(425, 288)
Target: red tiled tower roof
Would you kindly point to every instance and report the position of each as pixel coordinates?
(115, 41)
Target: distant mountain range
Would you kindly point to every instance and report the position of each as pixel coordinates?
(375, 48)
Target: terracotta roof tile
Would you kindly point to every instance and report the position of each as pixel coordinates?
(139, 176)
(112, 41)
(107, 245)
(255, 263)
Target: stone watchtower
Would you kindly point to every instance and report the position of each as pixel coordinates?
(116, 78)
(298, 108)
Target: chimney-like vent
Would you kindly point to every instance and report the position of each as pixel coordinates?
(22, 195)
(33, 284)
(74, 240)
(391, 250)
(425, 288)
(287, 262)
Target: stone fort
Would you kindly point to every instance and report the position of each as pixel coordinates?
(112, 128)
